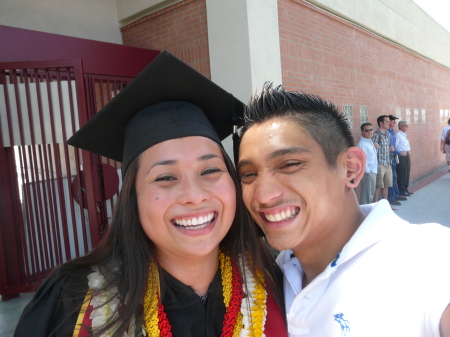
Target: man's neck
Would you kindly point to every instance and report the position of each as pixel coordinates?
(318, 253)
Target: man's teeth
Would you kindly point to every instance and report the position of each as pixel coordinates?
(195, 223)
(283, 215)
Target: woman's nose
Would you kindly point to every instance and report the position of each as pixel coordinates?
(193, 192)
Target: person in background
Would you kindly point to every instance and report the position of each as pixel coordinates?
(368, 181)
(382, 141)
(181, 257)
(404, 165)
(349, 270)
(445, 148)
(394, 196)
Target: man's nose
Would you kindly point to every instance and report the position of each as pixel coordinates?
(267, 189)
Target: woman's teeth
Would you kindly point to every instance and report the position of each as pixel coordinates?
(195, 223)
(283, 215)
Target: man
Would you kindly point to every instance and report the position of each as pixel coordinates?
(347, 268)
(404, 165)
(393, 192)
(445, 148)
(368, 181)
(382, 141)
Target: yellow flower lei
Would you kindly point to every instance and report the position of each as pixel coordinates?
(254, 319)
(249, 322)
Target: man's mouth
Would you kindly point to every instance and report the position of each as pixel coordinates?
(282, 215)
(195, 223)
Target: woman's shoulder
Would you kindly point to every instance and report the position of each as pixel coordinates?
(55, 305)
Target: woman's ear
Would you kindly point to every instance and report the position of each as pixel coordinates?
(356, 165)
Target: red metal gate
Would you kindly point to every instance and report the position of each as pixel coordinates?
(54, 198)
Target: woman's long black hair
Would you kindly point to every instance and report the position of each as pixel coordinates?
(127, 246)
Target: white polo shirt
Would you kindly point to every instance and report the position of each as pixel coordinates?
(391, 279)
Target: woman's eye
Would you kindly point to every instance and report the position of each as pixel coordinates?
(165, 178)
(211, 171)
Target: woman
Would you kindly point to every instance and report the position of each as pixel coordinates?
(181, 256)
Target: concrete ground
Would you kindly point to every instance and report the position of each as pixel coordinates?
(429, 203)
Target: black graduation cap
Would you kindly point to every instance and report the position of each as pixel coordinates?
(167, 100)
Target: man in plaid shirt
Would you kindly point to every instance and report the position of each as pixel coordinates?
(382, 141)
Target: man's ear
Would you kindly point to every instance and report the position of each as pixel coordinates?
(356, 165)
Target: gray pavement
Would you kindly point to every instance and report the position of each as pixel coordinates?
(430, 203)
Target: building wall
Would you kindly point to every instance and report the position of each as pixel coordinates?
(244, 44)
(325, 55)
(129, 11)
(94, 20)
(180, 29)
(401, 21)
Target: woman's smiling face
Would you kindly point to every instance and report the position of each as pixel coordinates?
(186, 197)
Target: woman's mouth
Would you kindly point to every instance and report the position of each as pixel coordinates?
(195, 223)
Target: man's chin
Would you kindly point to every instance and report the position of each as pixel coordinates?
(278, 243)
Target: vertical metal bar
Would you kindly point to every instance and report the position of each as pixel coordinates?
(51, 158)
(41, 225)
(25, 176)
(83, 115)
(56, 153)
(54, 196)
(47, 178)
(77, 164)
(10, 209)
(66, 156)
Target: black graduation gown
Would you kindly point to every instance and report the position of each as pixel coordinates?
(187, 314)
(47, 315)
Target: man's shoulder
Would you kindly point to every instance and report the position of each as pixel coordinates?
(362, 141)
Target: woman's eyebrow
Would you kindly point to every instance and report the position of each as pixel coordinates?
(208, 156)
(171, 162)
(162, 163)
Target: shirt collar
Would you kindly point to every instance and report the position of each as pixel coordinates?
(380, 220)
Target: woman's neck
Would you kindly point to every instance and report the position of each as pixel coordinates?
(197, 272)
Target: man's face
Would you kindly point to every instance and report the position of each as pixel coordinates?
(404, 128)
(392, 123)
(288, 186)
(367, 131)
(385, 124)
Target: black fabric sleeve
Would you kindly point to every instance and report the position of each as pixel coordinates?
(48, 314)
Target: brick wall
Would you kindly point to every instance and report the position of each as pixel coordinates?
(326, 55)
(180, 29)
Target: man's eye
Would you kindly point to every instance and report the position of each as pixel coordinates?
(289, 165)
(247, 178)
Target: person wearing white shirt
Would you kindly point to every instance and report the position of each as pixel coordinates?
(368, 181)
(350, 270)
(445, 148)
(404, 165)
